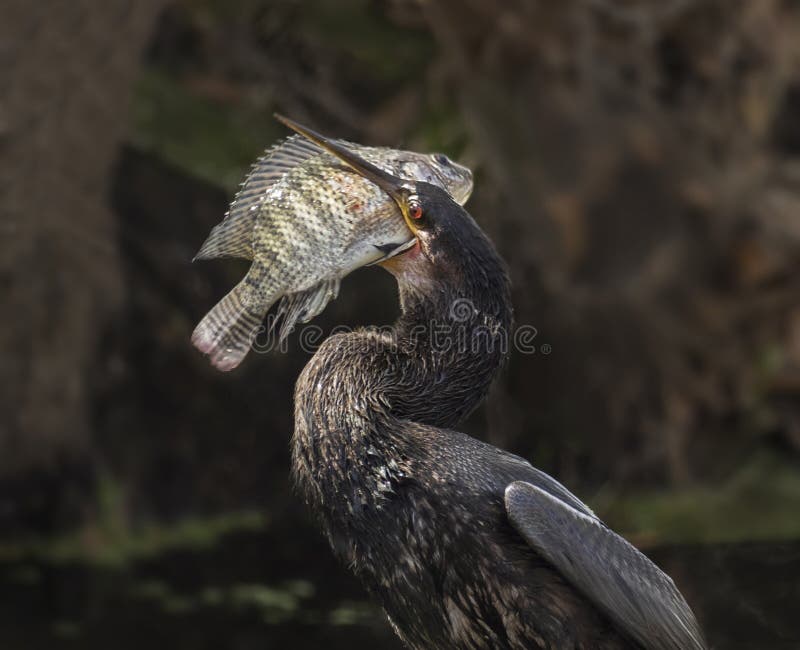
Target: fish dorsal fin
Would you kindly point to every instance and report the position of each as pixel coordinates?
(302, 306)
(233, 236)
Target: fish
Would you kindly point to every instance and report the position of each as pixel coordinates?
(306, 220)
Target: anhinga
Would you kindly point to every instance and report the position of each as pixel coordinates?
(463, 544)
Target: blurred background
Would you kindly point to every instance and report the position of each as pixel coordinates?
(638, 166)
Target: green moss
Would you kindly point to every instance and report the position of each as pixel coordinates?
(151, 590)
(115, 546)
(760, 502)
(441, 129)
(214, 11)
(266, 599)
(212, 597)
(275, 604)
(301, 588)
(66, 629)
(26, 574)
(213, 141)
(352, 613)
(391, 54)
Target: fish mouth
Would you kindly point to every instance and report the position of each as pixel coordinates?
(463, 196)
(459, 192)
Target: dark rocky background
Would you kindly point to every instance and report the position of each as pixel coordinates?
(638, 166)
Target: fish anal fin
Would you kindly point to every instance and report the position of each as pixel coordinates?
(302, 306)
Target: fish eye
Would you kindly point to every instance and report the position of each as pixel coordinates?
(441, 159)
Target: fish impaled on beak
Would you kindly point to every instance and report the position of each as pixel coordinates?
(402, 191)
(310, 211)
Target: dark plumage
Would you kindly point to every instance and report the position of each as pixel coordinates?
(463, 544)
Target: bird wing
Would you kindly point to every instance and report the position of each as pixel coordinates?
(510, 467)
(632, 591)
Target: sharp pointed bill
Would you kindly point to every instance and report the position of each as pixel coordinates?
(388, 182)
(306, 220)
(402, 190)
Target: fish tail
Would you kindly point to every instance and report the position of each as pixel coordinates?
(226, 332)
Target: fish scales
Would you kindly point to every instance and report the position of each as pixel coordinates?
(306, 220)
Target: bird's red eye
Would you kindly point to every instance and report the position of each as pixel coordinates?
(415, 211)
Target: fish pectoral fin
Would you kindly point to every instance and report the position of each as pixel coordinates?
(390, 250)
(233, 236)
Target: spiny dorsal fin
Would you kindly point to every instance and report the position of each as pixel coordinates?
(233, 236)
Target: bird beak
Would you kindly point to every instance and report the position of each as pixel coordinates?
(400, 190)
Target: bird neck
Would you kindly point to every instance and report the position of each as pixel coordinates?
(363, 392)
(452, 338)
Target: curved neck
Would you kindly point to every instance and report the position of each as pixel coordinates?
(452, 338)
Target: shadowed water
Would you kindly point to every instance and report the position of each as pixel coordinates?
(264, 589)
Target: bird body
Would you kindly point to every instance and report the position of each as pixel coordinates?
(416, 512)
(465, 546)
(414, 508)
(305, 221)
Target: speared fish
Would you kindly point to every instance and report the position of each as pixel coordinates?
(306, 220)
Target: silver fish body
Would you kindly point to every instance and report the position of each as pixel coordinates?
(306, 221)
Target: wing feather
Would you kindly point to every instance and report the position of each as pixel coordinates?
(632, 591)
